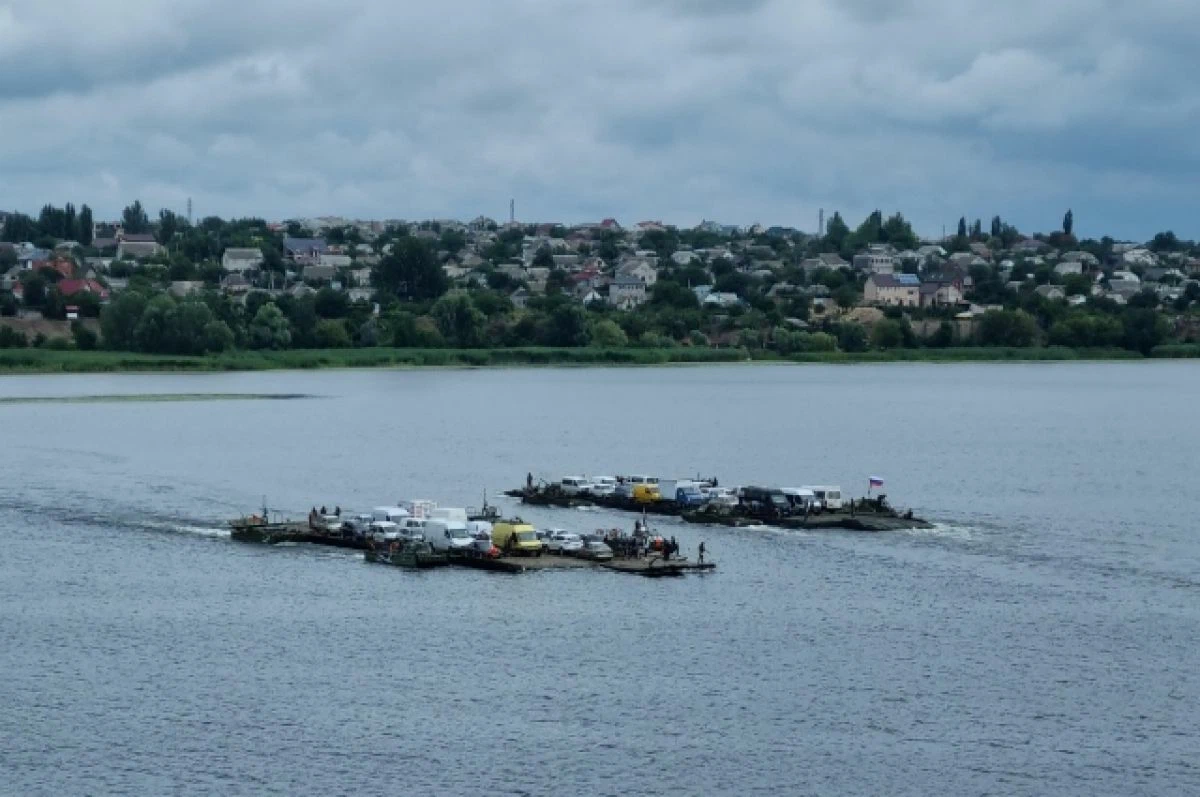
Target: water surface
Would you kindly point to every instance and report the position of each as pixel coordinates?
(1040, 640)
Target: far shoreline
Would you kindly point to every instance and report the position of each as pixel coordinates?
(49, 361)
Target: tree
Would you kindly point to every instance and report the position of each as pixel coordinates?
(458, 319)
(543, 258)
(119, 320)
(888, 334)
(852, 337)
(34, 289)
(453, 241)
(1144, 329)
(168, 225)
(1015, 328)
(154, 328)
(977, 230)
(411, 271)
(836, 232)
(331, 334)
(846, 296)
(269, 329)
(8, 305)
(1077, 284)
(608, 333)
(218, 337)
(329, 303)
(568, 326)
(85, 338)
(962, 226)
(134, 218)
(1068, 223)
(8, 258)
(85, 226)
(997, 227)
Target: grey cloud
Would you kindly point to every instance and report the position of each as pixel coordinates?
(672, 109)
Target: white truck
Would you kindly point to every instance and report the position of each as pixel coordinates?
(447, 535)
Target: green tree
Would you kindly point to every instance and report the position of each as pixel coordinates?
(12, 339)
(8, 305)
(458, 319)
(1144, 329)
(119, 320)
(852, 337)
(411, 271)
(218, 337)
(1007, 328)
(8, 258)
(331, 334)
(836, 232)
(329, 303)
(568, 326)
(962, 227)
(543, 258)
(168, 225)
(1068, 223)
(846, 296)
(608, 333)
(85, 225)
(85, 338)
(269, 329)
(1077, 285)
(888, 334)
(34, 286)
(155, 328)
(134, 218)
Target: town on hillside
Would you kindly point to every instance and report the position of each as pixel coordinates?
(166, 284)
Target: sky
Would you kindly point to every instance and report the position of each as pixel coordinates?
(741, 111)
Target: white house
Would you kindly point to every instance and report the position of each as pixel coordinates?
(626, 292)
(641, 271)
(1139, 257)
(719, 299)
(902, 290)
(875, 262)
(336, 261)
(237, 260)
(1069, 267)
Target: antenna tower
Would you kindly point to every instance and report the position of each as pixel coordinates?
(189, 212)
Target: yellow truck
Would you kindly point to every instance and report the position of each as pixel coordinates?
(516, 538)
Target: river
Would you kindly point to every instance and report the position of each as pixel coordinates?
(1041, 639)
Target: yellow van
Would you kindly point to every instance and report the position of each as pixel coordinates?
(646, 493)
(516, 537)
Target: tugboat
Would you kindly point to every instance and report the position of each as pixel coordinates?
(259, 528)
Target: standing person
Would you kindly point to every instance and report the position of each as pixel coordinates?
(702, 552)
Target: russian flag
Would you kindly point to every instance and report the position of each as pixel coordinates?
(875, 481)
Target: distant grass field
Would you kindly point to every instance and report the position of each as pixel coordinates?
(72, 361)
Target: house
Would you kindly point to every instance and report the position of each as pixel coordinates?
(1159, 274)
(1069, 267)
(335, 260)
(720, 299)
(1139, 257)
(138, 247)
(181, 288)
(307, 250)
(519, 298)
(832, 260)
(566, 262)
(235, 283)
(592, 295)
(684, 257)
(641, 271)
(1088, 260)
(626, 292)
(1050, 292)
(71, 287)
(981, 250)
(940, 294)
(104, 244)
(1028, 246)
(702, 292)
(319, 273)
(901, 290)
(237, 260)
(875, 262)
(64, 268)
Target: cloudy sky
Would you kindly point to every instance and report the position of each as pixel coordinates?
(679, 110)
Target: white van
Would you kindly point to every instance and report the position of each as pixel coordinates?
(393, 514)
(449, 513)
(384, 531)
(575, 485)
(830, 496)
(413, 528)
(447, 535)
(801, 499)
